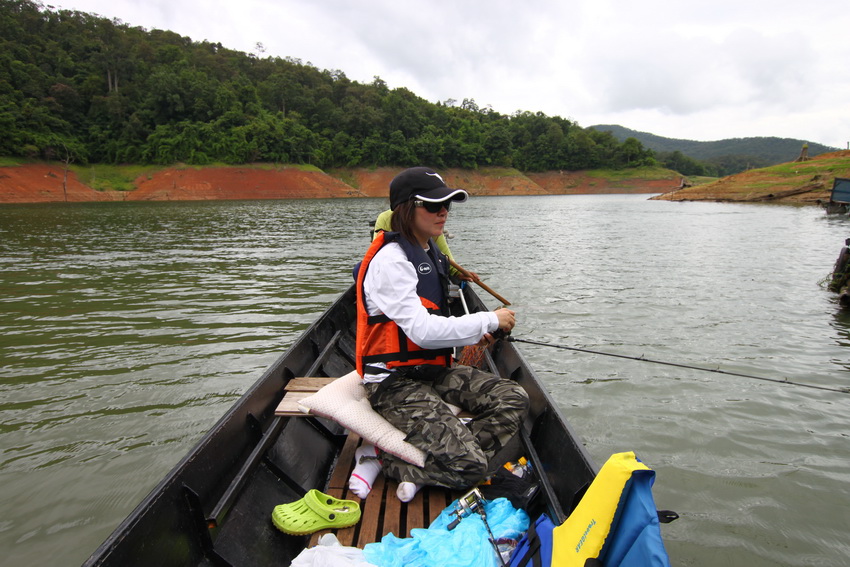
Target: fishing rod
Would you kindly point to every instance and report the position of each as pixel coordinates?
(716, 370)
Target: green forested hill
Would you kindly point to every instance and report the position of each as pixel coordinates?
(730, 155)
(78, 87)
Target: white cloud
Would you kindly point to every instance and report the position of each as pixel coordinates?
(698, 70)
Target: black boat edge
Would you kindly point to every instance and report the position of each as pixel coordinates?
(214, 506)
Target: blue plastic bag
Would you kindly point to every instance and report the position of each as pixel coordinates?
(468, 545)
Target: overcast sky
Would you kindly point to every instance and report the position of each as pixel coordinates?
(697, 70)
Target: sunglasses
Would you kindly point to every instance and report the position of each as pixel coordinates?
(433, 208)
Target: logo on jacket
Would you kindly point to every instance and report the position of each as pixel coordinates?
(424, 268)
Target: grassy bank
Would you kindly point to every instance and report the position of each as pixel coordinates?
(805, 182)
(113, 177)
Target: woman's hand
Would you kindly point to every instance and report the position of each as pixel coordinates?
(507, 319)
(468, 276)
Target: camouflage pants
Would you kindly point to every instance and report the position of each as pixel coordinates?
(457, 454)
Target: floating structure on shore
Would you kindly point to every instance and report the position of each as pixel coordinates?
(839, 198)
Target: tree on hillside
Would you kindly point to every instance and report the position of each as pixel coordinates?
(82, 87)
(685, 165)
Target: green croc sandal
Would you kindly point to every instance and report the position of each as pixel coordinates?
(316, 511)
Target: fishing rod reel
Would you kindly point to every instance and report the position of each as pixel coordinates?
(473, 503)
(499, 334)
(470, 503)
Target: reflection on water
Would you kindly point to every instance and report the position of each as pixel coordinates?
(129, 328)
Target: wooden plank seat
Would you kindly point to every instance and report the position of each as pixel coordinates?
(382, 511)
(296, 390)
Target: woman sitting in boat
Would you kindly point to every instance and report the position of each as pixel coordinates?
(405, 338)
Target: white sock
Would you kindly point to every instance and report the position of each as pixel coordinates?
(365, 471)
(407, 490)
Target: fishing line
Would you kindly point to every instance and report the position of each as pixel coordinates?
(716, 370)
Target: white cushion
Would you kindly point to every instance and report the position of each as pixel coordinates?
(344, 401)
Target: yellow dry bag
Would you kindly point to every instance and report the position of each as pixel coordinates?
(616, 521)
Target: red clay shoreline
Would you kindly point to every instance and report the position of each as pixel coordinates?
(48, 183)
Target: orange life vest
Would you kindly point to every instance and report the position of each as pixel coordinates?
(379, 338)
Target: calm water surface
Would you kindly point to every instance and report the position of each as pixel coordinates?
(128, 329)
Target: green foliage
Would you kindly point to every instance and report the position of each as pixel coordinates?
(722, 157)
(11, 162)
(686, 165)
(111, 177)
(83, 89)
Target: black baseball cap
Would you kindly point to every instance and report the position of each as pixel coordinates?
(422, 183)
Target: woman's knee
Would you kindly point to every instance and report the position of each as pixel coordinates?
(511, 396)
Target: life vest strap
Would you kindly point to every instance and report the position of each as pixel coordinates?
(408, 356)
(381, 318)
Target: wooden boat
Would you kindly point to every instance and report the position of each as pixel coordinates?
(214, 507)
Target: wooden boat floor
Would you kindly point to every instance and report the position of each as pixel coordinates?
(382, 511)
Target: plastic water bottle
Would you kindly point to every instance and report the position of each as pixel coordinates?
(521, 468)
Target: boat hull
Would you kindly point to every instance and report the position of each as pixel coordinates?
(214, 507)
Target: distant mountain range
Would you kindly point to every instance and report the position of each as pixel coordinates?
(759, 151)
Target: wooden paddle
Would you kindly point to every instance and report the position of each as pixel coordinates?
(486, 288)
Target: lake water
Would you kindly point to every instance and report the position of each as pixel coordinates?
(128, 329)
